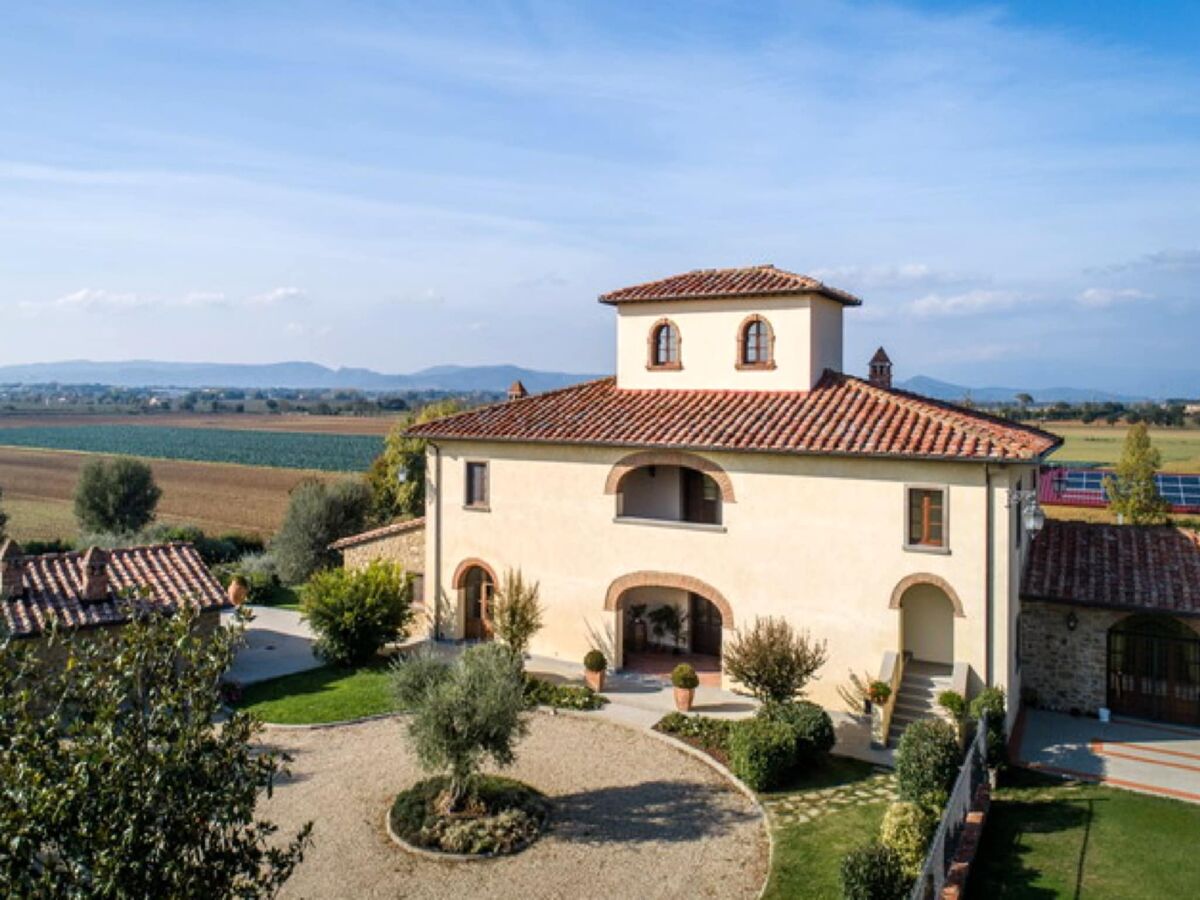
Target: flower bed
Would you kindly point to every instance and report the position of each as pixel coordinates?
(561, 696)
(501, 817)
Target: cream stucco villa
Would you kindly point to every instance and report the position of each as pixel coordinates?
(731, 469)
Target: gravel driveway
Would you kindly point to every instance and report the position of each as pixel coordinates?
(632, 817)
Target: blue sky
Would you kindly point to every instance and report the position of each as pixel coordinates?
(1014, 189)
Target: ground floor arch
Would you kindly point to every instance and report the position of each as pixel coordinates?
(927, 615)
(475, 583)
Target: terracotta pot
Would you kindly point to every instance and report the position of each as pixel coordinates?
(238, 592)
(595, 680)
(684, 698)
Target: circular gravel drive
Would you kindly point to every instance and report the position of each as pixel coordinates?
(632, 817)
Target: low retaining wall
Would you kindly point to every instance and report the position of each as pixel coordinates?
(968, 844)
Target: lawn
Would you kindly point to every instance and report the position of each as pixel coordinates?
(808, 855)
(1048, 838)
(1180, 447)
(320, 696)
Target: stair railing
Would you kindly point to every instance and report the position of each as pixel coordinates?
(891, 673)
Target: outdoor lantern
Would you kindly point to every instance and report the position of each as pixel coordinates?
(1032, 516)
(402, 476)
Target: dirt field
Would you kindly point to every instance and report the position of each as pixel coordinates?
(1180, 447)
(374, 425)
(39, 487)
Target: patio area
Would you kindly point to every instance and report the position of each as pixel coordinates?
(1128, 753)
(660, 665)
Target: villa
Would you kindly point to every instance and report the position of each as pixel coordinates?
(732, 469)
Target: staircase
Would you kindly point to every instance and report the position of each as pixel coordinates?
(917, 697)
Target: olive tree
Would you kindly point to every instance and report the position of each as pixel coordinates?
(116, 496)
(774, 661)
(116, 780)
(317, 515)
(463, 712)
(517, 612)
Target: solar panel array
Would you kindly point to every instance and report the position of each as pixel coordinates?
(1085, 487)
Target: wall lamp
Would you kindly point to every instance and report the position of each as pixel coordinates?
(1032, 516)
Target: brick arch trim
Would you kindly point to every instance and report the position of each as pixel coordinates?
(620, 585)
(740, 360)
(926, 578)
(460, 574)
(670, 458)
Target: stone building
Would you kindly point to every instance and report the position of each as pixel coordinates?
(400, 542)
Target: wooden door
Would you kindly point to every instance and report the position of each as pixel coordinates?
(477, 595)
(704, 620)
(1153, 674)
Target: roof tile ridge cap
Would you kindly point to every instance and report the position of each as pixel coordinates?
(970, 419)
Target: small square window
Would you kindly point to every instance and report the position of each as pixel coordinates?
(477, 484)
(926, 517)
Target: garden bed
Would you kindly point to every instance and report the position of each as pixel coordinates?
(710, 736)
(500, 817)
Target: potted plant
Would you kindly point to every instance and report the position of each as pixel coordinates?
(879, 691)
(594, 665)
(637, 621)
(239, 589)
(685, 680)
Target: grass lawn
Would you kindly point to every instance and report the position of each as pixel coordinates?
(281, 598)
(1180, 447)
(1048, 838)
(318, 696)
(808, 855)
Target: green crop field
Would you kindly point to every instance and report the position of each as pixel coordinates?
(285, 450)
(1180, 447)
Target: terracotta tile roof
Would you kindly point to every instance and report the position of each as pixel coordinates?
(375, 534)
(709, 284)
(170, 575)
(842, 415)
(1118, 566)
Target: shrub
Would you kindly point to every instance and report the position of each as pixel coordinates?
(354, 613)
(685, 677)
(317, 515)
(927, 761)
(907, 828)
(953, 703)
(711, 734)
(873, 872)
(561, 696)
(594, 661)
(516, 612)
(117, 496)
(762, 752)
(257, 570)
(773, 661)
(463, 713)
(991, 702)
(811, 726)
(511, 816)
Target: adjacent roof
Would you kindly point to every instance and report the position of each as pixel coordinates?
(709, 284)
(842, 415)
(376, 534)
(1134, 567)
(164, 576)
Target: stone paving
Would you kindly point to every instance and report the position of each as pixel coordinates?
(806, 806)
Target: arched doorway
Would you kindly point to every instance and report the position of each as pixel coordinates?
(1154, 669)
(476, 583)
(927, 624)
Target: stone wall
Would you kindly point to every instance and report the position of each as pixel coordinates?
(406, 548)
(1068, 669)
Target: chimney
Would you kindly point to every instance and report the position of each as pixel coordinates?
(880, 370)
(95, 575)
(12, 573)
(516, 391)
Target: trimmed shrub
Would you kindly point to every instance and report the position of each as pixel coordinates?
(927, 762)
(991, 702)
(873, 872)
(684, 676)
(594, 661)
(907, 828)
(762, 752)
(354, 613)
(953, 703)
(811, 726)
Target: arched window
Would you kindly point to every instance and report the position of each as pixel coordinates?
(664, 345)
(756, 344)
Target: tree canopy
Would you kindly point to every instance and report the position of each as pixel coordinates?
(1133, 493)
(392, 498)
(318, 514)
(115, 778)
(116, 496)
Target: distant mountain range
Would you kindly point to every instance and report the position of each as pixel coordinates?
(945, 390)
(147, 373)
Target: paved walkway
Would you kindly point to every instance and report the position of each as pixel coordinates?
(277, 643)
(805, 806)
(633, 817)
(1142, 756)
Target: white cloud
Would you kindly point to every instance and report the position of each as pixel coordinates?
(277, 296)
(204, 299)
(1161, 260)
(91, 299)
(1102, 298)
(968, 303)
